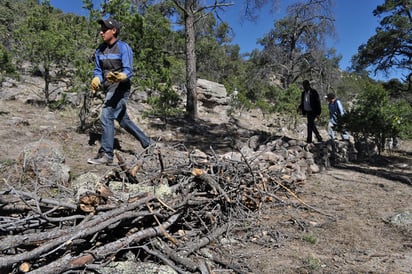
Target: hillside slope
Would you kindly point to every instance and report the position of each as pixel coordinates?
(343, 220)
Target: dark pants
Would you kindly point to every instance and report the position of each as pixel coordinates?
(312, 128)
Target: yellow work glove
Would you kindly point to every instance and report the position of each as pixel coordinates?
(114, 77)
(95, 84)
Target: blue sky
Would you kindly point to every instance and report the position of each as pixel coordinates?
(354, 24)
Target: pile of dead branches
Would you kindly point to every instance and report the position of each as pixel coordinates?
(48, 232)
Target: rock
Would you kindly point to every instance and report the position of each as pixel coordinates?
(401, 219)
(270, 157)
(314, 168)
(298, 176)
(211, 92)
(42, 151)
(45, 159)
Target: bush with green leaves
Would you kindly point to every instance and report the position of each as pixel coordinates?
(374, 118)
(6, 65)
(165, 103)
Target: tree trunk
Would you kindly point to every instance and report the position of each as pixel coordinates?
(46, 86)
(191, 104)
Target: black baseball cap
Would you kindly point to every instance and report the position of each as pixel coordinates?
(110, 24)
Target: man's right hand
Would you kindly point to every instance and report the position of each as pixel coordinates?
(95, 84)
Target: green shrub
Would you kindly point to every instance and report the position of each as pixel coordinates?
(374, 118)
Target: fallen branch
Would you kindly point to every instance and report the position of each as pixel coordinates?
(65, 239)
(68, 262)
(302, 202)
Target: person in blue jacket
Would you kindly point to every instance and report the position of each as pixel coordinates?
(310, 106)
(112, 72)
(336, 111)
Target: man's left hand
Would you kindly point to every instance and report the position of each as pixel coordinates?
(114, 77)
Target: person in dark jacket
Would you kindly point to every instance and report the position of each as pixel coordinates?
(310, 106)
(112, 72)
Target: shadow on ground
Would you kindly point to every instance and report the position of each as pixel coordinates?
(204, 135)
(396, 166)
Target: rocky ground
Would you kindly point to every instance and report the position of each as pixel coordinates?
(351, 219)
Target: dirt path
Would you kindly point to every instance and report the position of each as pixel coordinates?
(358, 239)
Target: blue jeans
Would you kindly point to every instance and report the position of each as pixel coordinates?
(331, 133)
(111, 112)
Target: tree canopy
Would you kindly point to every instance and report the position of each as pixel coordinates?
(391, 47)
(295, 48)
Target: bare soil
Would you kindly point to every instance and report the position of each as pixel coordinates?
(338, 222)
